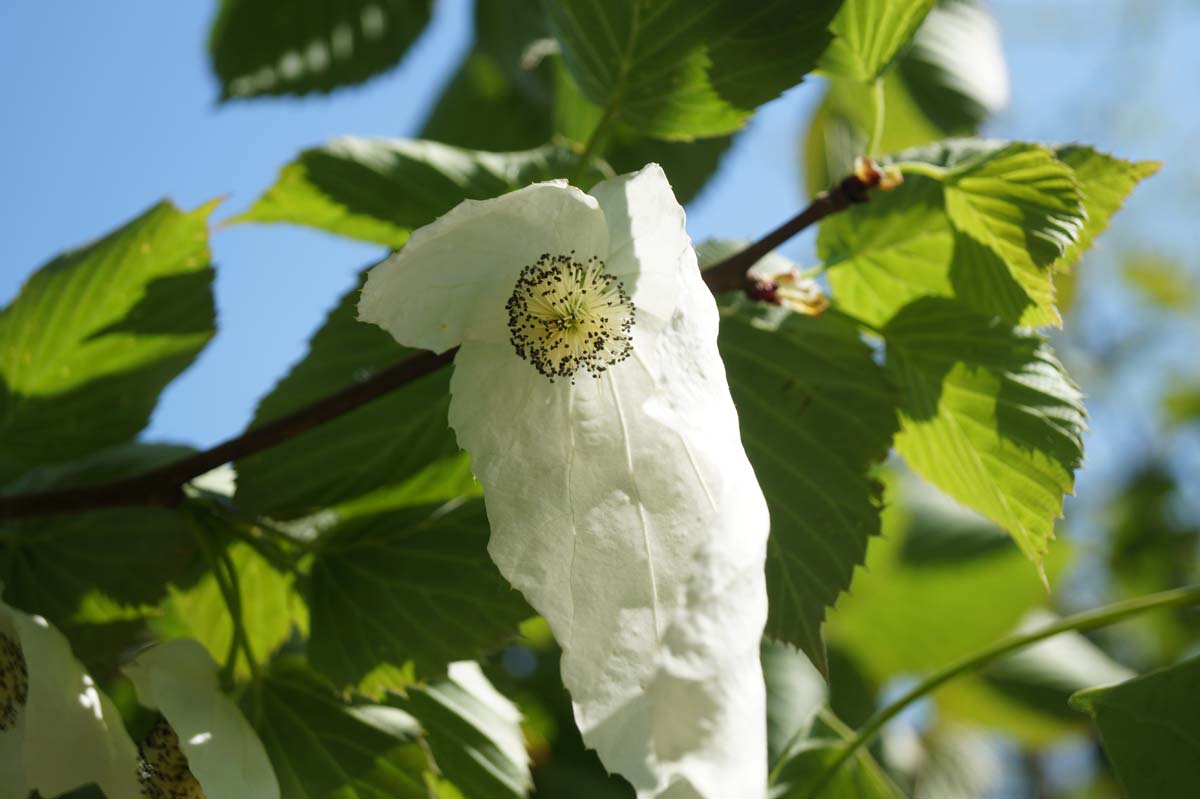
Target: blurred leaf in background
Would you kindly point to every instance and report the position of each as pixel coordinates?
(272, 47)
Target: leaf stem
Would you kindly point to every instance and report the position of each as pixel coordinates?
(877, 118)
(226, 577)
(1088, 620)
(596, 142)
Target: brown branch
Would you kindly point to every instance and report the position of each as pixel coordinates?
(163, 486)
(730, 274)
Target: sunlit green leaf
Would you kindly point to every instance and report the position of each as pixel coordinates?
(1148, 726)
(677, 70)
(270, 610)
(97, 333)
(1105, 181)
(1021, 205)
(264, 47)
(988, 415)
(869, 34)
(987, 223)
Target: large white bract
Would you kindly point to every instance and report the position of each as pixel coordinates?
(590, 395)
(58, 732)
(203, 740)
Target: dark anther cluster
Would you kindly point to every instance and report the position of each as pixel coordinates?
(564, 316)
(163, 768)
(14, 681)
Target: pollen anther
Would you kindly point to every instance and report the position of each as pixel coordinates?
(14, 681)
(565, 315)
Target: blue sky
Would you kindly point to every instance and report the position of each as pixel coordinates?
(110, 107)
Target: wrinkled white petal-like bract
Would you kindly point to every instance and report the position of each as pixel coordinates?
(179, 679)
(621, 501)
(67, 734)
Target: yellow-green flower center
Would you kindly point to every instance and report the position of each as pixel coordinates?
(14, 681)
(163, 768)
(565, 315)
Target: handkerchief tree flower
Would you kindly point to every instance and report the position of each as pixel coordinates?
(201, 747)
(590, 395)
(58, 732)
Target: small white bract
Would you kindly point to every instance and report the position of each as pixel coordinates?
(57, 731)
(202, 747)
(592, 399)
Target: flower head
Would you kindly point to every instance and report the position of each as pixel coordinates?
(57, 731)
(201, 747)
(590, 394)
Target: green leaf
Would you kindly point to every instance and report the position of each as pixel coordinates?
(101, 566)
(98, 332)
(940, 583)
(886, 253)
(325, 748)
(379, 190)
(859, 778)
(271, 610)
(988, 415)
(415, 585)
(687, 164)
(981, 221)
(869, 34)
(474, 733)
(1165, 283)
(1022, 205)
(274, 47)
(498, 82)
(1105, 182)
(380, 444)
(1148, 726)
(928, 237)
(816, 414)
(1046, 674)
(796, 693)
(676, 70)
(955, 70)
(945, 84)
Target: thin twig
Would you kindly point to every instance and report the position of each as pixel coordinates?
(163, 486)
(730, 274)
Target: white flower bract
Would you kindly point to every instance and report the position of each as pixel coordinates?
(179, 679)
(62, 732)
(621, 501)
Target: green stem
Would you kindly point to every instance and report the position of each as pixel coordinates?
(233, 601)
(921, 168)
(877, 119)
(1100, 617)
(595, 143)
(226, 577)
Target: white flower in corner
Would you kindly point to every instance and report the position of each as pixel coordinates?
(58, 732)
(202, 747)
(590, 395)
